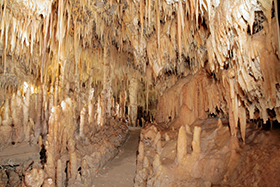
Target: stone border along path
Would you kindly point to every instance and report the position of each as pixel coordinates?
(120, 171)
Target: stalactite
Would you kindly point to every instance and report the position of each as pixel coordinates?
(157, 4)
(60, 26)
(63, 91)
(181, 14)
(179, 30)
(149, 12)
(3, 19)
(146, 13)
(141, 18)
(196, 13)
(46, 39)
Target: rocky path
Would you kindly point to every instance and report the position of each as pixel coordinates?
(120, 171)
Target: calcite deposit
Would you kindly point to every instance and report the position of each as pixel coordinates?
(201, 77)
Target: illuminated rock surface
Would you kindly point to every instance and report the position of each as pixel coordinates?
(74, 74)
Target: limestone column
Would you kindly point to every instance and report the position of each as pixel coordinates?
(26, 111)
(133, 101)
(38, 125)
(107, 91)
(122, 104)
(56, 94)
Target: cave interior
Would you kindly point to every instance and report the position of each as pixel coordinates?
(200, 79)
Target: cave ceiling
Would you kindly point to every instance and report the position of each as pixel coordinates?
(236, 41)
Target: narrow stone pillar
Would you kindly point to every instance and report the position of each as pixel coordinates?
(56, 94)
(26, 111)
(38, 123)
(107, 91)
(133, 101)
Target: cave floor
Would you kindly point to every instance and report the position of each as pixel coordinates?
(121, 170)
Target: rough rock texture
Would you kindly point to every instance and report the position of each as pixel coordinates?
(116, 59)
(210, 158)
(67, 149)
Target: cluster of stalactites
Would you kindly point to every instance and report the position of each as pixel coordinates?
(53, 38)
(248, 62)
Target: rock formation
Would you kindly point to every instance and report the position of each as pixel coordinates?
(74, 74)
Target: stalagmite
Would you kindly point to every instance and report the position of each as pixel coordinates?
(91, 112)
(167, 138)
(49, 182)
(182, 144)
(196, 140)
(34, 178)
(156, 163)
(156, 140)
(86, 174)
(73, 159)
(6, 110)
(99, 115)
(50, 164)
(141, 155)
(59, 173)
